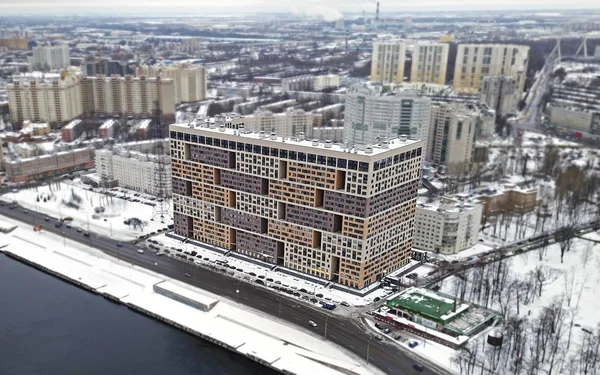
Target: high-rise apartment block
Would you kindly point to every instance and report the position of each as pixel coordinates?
(189, 80)
(372, 116)
(51, 98)
(452, 132)
(387, 65)
(51, 57)
(476, 61)
(128, 96)
(107, 67)
(501, 94)
(447, 227)
(339, 214)
(429, 62)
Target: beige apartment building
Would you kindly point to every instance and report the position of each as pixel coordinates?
(129, 96)
(53, 98)
(476, 61)
(315, 207)
(429, 62)
(47, 166)
(387, 65)
(452, 130)
(189, 80)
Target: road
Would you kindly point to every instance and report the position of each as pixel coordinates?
(504, 252)
(340, 330)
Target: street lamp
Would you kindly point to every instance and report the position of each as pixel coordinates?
(327, 316)
(368, 347)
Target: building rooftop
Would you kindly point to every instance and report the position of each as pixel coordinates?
(72, 124)
(427, 303)
(201, 127)
(108, 124)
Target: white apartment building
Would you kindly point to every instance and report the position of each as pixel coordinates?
(133, 170)
(371, 116)
(452, 130)
(387, 65)
(429, 62)
(189, 80)
(476, 61)
(292, 123)
(447, 227)
(128, 96)
(45, 97)
(501, 94)
(50, 57)
(327, 81)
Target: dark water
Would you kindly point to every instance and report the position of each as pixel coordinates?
(48, 326)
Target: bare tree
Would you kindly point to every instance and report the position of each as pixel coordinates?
(564, 236)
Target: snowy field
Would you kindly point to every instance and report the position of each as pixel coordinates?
(284, 280)
(250, 331)
(60, 200)
(531, 293)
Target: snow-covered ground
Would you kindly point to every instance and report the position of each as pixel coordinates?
(249, 331)
(284, 280)
(573, 284)
(60, 200)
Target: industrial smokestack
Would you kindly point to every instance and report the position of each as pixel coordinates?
(377, 13)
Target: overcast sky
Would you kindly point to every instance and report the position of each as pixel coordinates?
(326, 7)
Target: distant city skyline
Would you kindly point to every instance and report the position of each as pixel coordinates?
(329, 10)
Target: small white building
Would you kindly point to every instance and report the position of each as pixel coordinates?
(329, 81)
(448, 226)
(134, 170)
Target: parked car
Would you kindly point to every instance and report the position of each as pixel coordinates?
(344, 303)
(311, 323)
(418, 367)
(119, 244)
(413, 344)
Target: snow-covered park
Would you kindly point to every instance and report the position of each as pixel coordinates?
(89, 210)
(549, 309)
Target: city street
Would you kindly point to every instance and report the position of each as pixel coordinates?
(342, 331)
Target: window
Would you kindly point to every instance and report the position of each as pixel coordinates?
(231, 145)
(248, 147)
(341, 163)
(217, 142)
(312, 158)
(352, 164)
(240, 146)
(321, 160)
(301, 156)
(209, 141)
(283, 154)
(331, 162)
(265, 151)
(292, 155)
(459, 130)
(274, 152)
(201, 140)
(256, 149)
(194, 138)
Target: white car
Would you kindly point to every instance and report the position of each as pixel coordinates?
(313, 324)
(140, 251)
